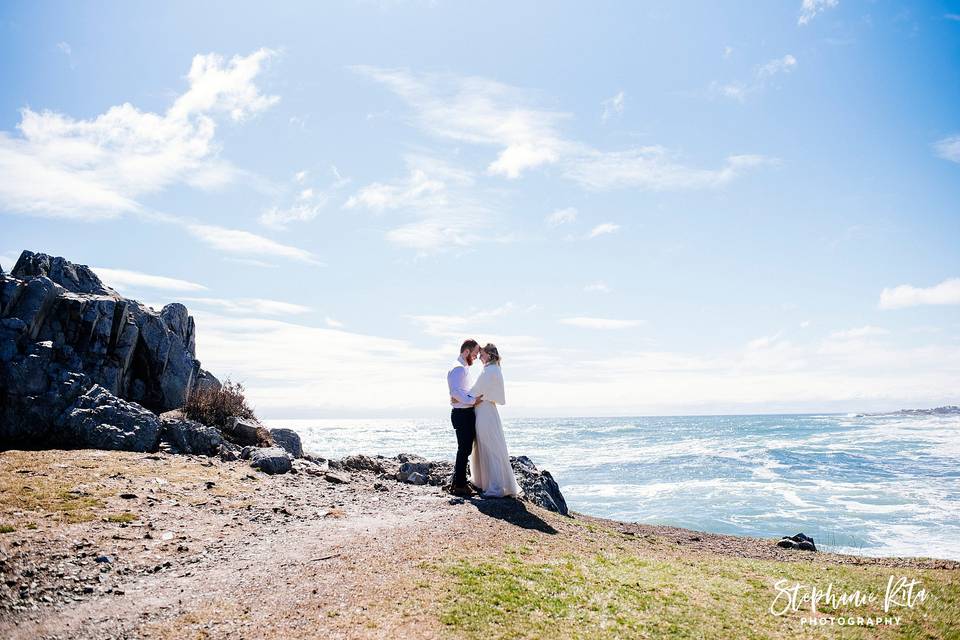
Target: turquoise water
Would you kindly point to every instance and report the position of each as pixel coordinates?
(873, 485)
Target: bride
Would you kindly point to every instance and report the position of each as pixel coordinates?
(490, 468)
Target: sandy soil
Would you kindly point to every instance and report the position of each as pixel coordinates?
(117, 545)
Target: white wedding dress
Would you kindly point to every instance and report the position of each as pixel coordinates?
(490, 468)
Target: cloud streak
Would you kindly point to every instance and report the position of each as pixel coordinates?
(488, 113)
(123, 279)
(810, 9)
(603, 324)
(905, 295)
(948, 148)
(438, 204)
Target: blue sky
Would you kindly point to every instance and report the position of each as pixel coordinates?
(674, 208)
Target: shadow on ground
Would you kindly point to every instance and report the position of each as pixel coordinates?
(512, 511)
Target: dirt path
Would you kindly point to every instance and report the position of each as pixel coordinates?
(118, 545)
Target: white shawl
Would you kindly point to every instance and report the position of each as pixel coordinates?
(490, 385)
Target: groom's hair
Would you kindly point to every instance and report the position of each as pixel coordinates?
(469, 344)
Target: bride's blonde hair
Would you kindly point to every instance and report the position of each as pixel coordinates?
(492, 353)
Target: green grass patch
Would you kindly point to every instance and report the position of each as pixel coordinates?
(621, 595)
(121, 517)
(6, 528)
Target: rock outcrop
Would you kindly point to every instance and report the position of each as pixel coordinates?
(538, 485)
(82, 366)
(182, 435)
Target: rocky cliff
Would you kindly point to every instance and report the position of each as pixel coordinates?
(82, 366)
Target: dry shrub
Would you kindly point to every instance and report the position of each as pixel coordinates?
(213, 407)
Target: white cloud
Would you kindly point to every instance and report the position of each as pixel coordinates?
(777, 65)
(479, 111)
(948, 148)
(603, 229)
(599, 323)
(122, 279)
(7, 262)
(562, 216)
(727, 51)
(283, 363)
(860, 332)
(811, 8)
(905, 295)
(761, 76)
(653, 169)
(485, 112)
(952, 16)
(244, 242)
(455, 325)
(441, 200)
(305, 205)
(332, 323)
(67, 50)
(613, 106)
(597, 287)
(279, 218)
(99, 168)
(251, 306)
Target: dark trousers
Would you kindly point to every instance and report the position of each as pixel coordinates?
(465, 424)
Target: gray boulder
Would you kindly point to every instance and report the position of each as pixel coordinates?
(100, 420)
(247, 432)
(289, 440)
(270, 460)
(189, 436)
(538, 486)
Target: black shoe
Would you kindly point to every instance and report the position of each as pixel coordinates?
(461, 491)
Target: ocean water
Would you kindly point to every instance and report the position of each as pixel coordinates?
(872, 485)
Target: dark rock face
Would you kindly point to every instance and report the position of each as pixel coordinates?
(538, 486)
(270, 460)
(100, 420)
(288, 440)
(62, 331)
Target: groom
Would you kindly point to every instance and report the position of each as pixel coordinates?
(463, 417)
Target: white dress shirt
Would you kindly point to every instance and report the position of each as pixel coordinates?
(458, 382)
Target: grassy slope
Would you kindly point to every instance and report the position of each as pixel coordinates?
(622, 594)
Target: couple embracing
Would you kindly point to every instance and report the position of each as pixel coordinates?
(477, 423)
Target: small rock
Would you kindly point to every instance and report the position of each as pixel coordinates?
(128, 496)
(798, 541)
(103, 559)
(336, 478)
(417, 478)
